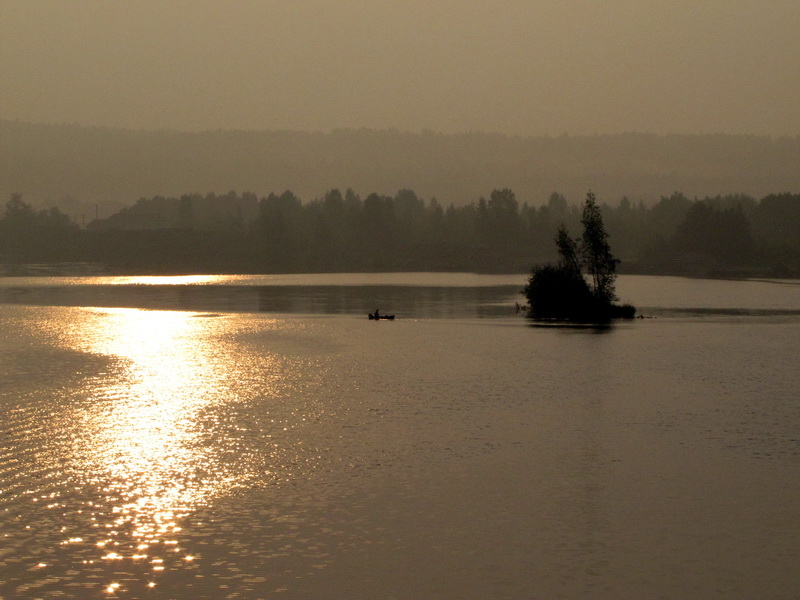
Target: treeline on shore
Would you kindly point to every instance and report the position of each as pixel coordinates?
(733, 235)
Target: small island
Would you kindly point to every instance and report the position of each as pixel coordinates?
(561, 292)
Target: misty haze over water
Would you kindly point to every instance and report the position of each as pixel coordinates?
(205, 436)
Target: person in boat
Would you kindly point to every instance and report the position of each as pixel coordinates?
(377, 313)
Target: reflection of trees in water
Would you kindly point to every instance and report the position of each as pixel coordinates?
(405, 301)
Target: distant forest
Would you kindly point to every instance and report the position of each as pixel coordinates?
(89, 171)
(724, 236)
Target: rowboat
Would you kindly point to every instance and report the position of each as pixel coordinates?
(380, 317)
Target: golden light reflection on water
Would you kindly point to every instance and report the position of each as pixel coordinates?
(146, 445)
(125, 461)
(167, 279)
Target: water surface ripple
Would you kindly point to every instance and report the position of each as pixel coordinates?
(162, 453)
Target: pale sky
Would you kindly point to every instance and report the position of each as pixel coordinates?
(527, 67)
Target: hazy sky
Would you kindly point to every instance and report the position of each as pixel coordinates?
(517, 67)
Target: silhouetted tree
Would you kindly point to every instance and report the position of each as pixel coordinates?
(776, 220)
(721, 235)
(569, 260)
(561, 291)
(554, 292)
(341, 232)
(557, 206)
(18, 213)
(599, 261)
(30, 236)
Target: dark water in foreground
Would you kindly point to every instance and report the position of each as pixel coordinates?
(260, 438)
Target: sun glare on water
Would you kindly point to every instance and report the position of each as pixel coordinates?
(145, 443)
(167, 279)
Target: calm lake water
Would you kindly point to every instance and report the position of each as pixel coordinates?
(258, 437)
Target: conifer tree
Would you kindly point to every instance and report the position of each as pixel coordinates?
(600, 263)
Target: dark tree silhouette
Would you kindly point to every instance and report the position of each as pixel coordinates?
(341, 232)
(723, 235)
(599, 261)
(561, 292)
(568, 260)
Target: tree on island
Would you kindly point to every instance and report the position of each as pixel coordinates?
(562, 292)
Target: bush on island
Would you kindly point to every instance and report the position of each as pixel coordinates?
(561, 292)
